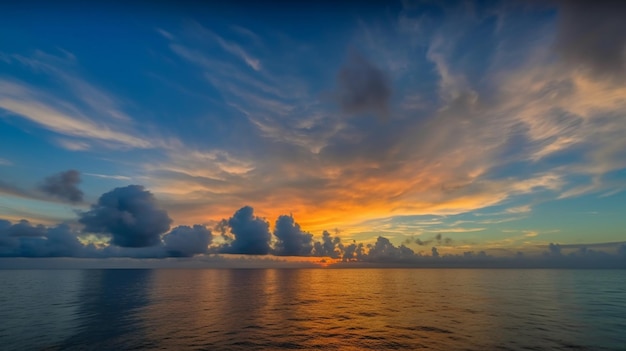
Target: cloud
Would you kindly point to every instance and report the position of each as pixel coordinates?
(108, 176)
(11, 189)
(251, 234)
(228, 46)
(554, 249)
(519, 209)
(23, 239)
(384, 251)
(328, 247)
(592, 34)
(23, 228)
(439, 239)
(38, 107)
(292, 241)
(130, 215)
(363, 87)
(185, 241)
(353, 252)
(63, 185)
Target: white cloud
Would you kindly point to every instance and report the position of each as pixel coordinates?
(28, 103)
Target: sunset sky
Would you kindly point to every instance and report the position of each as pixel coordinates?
(464, 126)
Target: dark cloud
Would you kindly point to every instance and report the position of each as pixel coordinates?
(383, 250)
(438, 239)
(251, 234)
(593, 34)
(64, 186)
(11, 189)
(353, 252)
(328, 247)
(554, 249)
(185, 241)
(363, 87)
(23, 228)
(130, 215)
(292, 241)
(23, 239)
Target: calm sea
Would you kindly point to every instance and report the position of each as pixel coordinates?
(314, 309)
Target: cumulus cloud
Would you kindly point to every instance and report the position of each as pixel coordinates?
(384, 250)
(329, 246)
(353, 252)
(554, 249)
(185, 241)
(130, 215)
(63, 185)
(251, 234)
(23, 239)
(593, 34)
(292, 241)
(363, 87)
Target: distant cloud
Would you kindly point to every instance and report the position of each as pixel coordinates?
(363, 87)
(238, 51)
(23, 239)
(51, 113)
(329, 246)
(5, 162)
(63, 185)
(554, 249)
(11, 189)
(23, 228)
(251, 234)
(73, 145)
(353, 252)
(439, 239)
(108, 176)
(292, 241)
(130, 215)
(228, 46)
(185, 241)
(519, 209)
(384, 251)
(593, 34)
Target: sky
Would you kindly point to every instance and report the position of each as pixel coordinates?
(412, 132)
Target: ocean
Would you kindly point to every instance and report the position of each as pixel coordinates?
(313, 309)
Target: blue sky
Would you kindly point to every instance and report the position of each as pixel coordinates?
(496, 125)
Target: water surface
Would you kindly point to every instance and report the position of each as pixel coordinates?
(314, 309)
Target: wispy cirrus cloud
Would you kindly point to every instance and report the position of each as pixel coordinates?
(442, 158)
(228, 46)
(74, 109)
(28, 103)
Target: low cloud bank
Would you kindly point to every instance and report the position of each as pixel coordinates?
(129, 224)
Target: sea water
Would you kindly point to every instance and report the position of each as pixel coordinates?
(313, 309)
